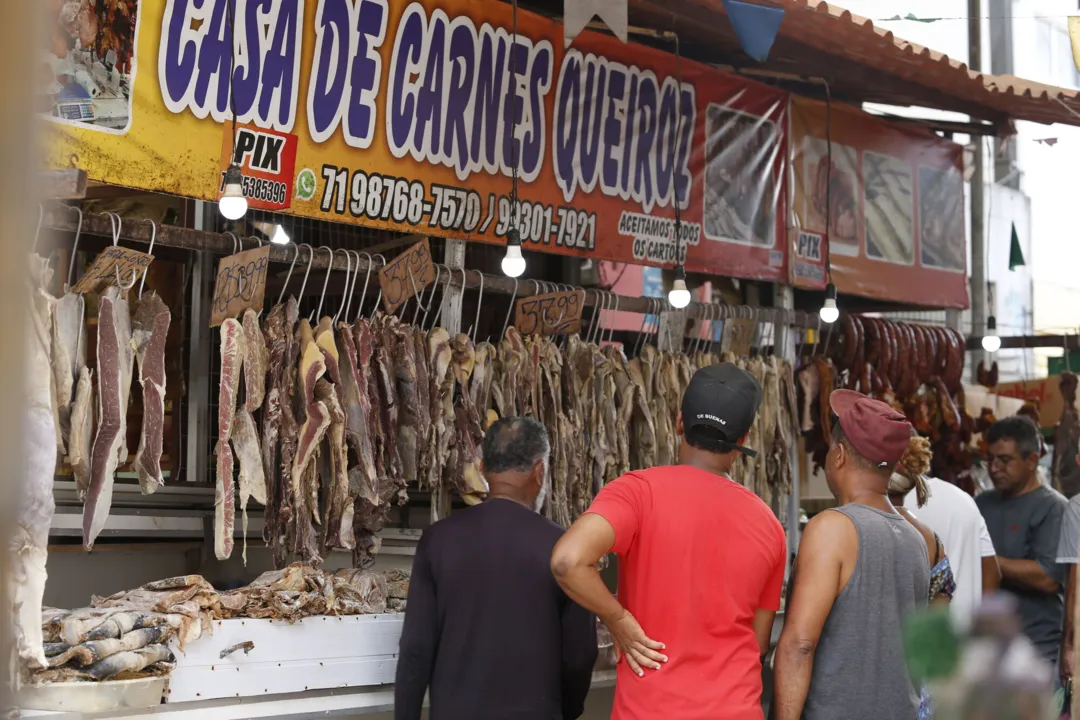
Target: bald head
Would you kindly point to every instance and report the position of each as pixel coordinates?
(515, 458)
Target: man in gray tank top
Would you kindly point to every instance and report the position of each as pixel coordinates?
(861, 570)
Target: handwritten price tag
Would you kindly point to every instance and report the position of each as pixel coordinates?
(738, 336)
(240, 284)
(407, 274)
(552, 314)
(103, 271)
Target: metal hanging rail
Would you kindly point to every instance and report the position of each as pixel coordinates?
(140, 231)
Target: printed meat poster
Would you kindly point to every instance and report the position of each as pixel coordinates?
(885, 201)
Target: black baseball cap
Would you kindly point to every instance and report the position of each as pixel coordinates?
(724, 397)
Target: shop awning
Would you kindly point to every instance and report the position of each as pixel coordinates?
(862, 62)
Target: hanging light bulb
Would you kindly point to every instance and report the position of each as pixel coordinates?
(513, 265)
(829, 312)
(280, 237)
(991, 342)
(233, 204)
(679, 296)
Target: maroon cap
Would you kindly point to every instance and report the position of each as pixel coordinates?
(877, 431)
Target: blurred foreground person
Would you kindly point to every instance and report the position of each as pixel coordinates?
(1024, 520)
(701, 566)
(862, 569)
(486, 626)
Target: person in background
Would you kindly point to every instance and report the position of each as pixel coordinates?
(953, 515)
(906, 479)
(487, 629)
(1067, 555)
(1024, 520)
(861, 570)
(701, 566)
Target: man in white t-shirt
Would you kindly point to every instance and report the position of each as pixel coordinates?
(953, 515)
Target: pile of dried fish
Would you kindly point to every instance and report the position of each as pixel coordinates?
(300, 591)
(92, 644)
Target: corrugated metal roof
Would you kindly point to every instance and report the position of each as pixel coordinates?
(863, 62)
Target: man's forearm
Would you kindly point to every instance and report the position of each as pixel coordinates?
(1027, 575)
(585, 587)
(793, 667)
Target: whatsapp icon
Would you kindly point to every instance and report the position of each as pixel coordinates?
(305, 184)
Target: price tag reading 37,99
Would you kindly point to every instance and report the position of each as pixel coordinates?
(111, 263)
(407, 274)
(240, 284)
(552, 314)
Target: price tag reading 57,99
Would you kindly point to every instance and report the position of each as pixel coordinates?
(240, 284)
(552, 314)
(407, 274)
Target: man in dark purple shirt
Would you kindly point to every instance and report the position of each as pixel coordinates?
(487, 628)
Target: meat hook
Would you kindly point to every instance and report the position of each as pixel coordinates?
(614, 316)
(510, 310)
(120, 284)
(296, 254)
(599, 302)
(74, 248)
(348, 274)
(326, 280)
(817, 337)
(352, 286)
(116, 223)
(310, 257)
(641, 330)
(37, 233)
(554, 323)
(461, 299)
(431, 297)
(479, 301)
(378, 299)
(149, 251)
(237, 246)
(367, 277)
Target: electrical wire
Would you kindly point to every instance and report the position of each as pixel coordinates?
(828, 183)
(675, 150)
(515, 210)
(232, 72)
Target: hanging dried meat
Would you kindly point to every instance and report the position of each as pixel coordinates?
(150, 328)
(232, 363)
(30, 540)
(68, 357)
(115, 359)
(467, 476)
(255, 362)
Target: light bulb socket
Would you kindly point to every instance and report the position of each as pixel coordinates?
(680, 274)
(991, 325)
(233, 176)
(513, 238)
(830, 293)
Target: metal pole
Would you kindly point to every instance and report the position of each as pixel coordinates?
(978, 191)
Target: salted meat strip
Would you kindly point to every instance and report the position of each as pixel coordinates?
(232, 361)
(30, 539)
(82, 431)
(114, 365)
(150, 328)
(255, 362)
(357, 426)
(68, 357)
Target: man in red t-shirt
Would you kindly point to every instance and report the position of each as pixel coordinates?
(701, 565)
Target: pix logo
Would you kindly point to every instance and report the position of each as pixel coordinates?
(808, 246)
(258, 151)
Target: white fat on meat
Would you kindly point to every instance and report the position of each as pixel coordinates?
(28, 551)
(82, 431)
(68, 356)
(245, 442)
(256, 358)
